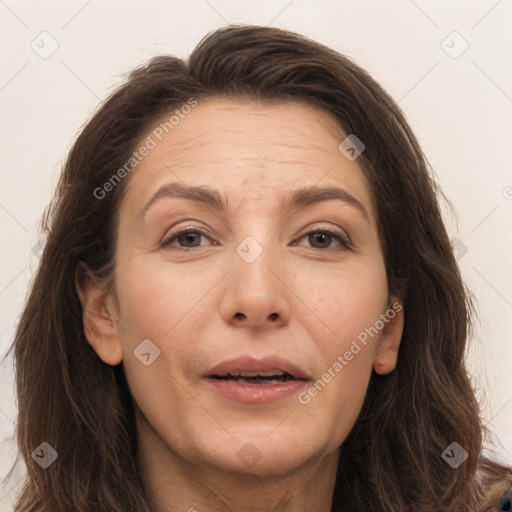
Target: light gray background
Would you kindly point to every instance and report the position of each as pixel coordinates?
(460, 109)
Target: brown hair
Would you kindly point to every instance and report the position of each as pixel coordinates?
(82, 407)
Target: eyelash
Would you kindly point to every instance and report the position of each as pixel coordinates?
(344, 241)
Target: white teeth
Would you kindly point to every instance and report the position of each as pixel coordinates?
(261, 373)
(248, 374)
(270, 373)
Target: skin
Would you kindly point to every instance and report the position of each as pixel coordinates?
(305, 302)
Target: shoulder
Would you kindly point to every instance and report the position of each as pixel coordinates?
(503, 502)
(497, 492)
(496, 483)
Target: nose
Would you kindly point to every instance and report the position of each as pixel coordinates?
(258, 292)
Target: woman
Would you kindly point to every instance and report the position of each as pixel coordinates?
(261, 369)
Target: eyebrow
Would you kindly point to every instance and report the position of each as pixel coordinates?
(294, 199)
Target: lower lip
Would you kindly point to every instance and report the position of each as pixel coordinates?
(255, 393)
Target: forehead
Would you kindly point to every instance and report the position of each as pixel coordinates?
(250, 150)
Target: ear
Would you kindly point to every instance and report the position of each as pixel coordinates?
(98, 315)
(389, 342)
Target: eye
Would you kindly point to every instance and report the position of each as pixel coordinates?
(189, 235)
(324, 236)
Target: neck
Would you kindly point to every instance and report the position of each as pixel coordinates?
(173, 483)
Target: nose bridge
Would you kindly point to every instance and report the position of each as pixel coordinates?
(258, 233)
(258, 259)
(257, 292)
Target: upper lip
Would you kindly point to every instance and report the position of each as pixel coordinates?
(249, 363)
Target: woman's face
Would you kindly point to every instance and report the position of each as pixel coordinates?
(257, 278)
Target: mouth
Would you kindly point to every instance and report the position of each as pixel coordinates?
(256, 381)
(260, 377)
(250, 370)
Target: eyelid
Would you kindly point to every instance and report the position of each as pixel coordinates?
(332, 230)
(174, 233)
(343, 238)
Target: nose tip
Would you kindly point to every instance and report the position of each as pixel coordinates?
(257, 295)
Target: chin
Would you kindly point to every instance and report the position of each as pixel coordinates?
(259, 455)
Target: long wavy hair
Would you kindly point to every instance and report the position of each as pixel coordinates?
(69, 398)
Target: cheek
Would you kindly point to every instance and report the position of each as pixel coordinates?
(157, 304)
(171, 308)
(155, 298)
(347, 308)
(346, 302)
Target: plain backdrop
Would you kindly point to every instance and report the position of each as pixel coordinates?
(447, 64)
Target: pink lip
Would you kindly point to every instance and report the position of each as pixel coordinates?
(249, 363)
(256, 393)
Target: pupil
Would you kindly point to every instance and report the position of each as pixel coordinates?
(188, 237)
(322, 237)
